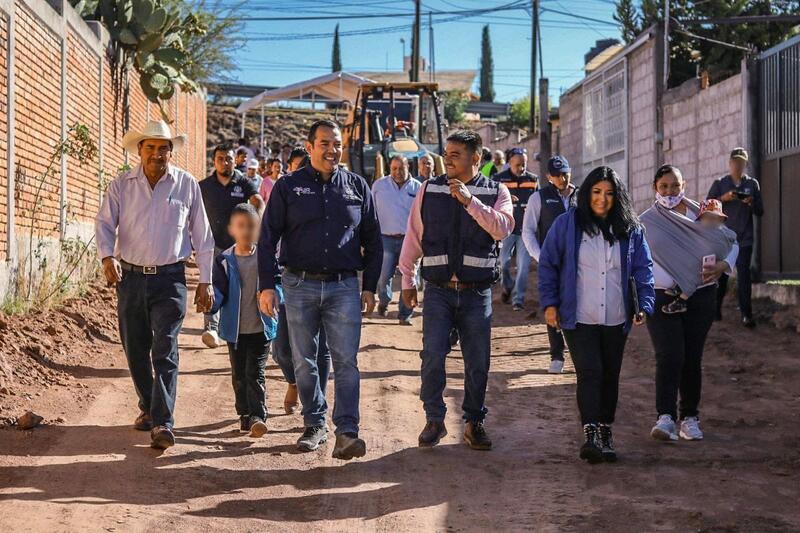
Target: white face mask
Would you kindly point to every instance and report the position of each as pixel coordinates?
(670, 202)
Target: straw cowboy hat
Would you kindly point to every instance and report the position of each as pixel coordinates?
(154, 129)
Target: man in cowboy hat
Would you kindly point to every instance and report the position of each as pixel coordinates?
(151, 219)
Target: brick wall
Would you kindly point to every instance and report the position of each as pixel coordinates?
(45, 33)
(700, 129)
(3, 136)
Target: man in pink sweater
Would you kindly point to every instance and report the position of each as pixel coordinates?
(456, 223)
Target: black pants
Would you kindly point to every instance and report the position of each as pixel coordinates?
(556, 339)
(248, 362)
(151, 308)
(744, 283)
(596, 352)
(678, 341)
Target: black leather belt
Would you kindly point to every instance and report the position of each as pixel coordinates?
(460, 285)
(319, 276)
(153, 269)
(395, 235)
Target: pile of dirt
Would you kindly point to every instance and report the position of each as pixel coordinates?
(43, 350)
(287, 126)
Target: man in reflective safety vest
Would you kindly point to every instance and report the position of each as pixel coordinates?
(463, 214)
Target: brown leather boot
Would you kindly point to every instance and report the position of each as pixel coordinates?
(432, 434)
(476, 437)
(143, 422)
(290, 403)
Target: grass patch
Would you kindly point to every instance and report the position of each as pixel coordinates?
(785, 282)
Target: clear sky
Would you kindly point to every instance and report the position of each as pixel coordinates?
(279, 52)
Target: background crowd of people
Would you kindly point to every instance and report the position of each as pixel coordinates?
(293, 247)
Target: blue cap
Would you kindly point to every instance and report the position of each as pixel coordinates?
(558, 164)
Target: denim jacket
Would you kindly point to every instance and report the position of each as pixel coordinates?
(228, 297)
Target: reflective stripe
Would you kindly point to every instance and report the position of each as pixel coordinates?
(482, 190)
(479, 262)
(437, 188)
(434, 260)
(445, 189)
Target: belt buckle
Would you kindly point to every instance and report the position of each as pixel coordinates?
(149, 270)
(455, 286)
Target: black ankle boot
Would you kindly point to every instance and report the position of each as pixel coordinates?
(607, 443)
(592, 449)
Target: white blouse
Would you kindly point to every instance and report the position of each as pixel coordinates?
(599, 291)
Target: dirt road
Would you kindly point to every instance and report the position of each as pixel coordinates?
(94, 473)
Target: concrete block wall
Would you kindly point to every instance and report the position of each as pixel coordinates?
(642, 126)
(570, 134)
(700, 130)
(54, 72)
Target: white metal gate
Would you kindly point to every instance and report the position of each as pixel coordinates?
(605, 106)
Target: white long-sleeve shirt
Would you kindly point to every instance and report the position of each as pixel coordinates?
(599, 282)
(530, 223)
(155, 226)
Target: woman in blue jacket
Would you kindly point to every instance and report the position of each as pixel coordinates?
(595, 279)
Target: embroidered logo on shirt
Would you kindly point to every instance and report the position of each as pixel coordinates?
(349, 194)
(237, 191)
(551, 201)
(302, 190)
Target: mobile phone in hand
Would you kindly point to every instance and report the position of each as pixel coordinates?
(709, 261)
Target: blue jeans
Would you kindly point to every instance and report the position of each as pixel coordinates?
(391, 256)
(470, 312)
(517, 286)
(151, 308)
(282, 352)
(336, 306)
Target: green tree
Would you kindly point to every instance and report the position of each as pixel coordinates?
(487, 68)
(336, 55)
(455, 102)
(211, 55)
(520, 112)
(628, 18)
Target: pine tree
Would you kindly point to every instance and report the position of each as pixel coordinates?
(628, 19)
(336, 56)
(487, 68)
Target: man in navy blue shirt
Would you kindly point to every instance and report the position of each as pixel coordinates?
(323, 217)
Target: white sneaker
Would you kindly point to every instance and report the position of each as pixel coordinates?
(210, 338)
(690, 429)
(664, 429)
(556, 366)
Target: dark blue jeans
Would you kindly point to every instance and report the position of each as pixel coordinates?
(336, 306)
(391, 256)
(248, 361)
(282, 352)
(151, 309)
(470, 312)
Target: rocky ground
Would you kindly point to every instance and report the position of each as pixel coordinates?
(92, 472)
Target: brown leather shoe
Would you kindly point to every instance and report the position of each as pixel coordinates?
(476, 437)
(432, 434)
(143, 422)
(161, 438)
(290, 403)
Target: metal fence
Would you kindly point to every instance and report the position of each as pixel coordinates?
(780, 98)
(779, 103)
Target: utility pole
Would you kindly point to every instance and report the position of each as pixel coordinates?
(534, 42)
(415, 49)
(431, 60)
(666, 44)
(544, 126)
